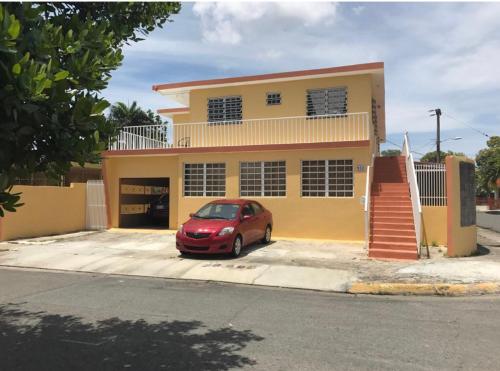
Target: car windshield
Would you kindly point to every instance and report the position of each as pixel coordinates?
(218, 211)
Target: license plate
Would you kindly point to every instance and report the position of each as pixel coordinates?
(160, 207)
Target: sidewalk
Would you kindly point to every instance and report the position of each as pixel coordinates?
(317, 265)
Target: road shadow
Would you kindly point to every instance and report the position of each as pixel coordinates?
(247, 250)
(43, 341)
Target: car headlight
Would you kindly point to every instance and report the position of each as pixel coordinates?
(226, 230)
(181, 228)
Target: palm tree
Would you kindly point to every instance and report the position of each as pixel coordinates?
(122, 115)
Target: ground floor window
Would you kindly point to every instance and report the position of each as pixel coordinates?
(263, 178)
(205, 179)
(327, 178)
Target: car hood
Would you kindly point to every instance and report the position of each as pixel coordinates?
(207, 225)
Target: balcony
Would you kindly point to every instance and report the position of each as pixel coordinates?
(352, 127)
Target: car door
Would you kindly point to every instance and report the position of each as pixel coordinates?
(260, 220)
(247, 226)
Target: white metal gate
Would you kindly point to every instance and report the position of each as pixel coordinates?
(431, 179)
(96, 205)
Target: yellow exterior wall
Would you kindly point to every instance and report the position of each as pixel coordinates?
(294, 216)
(462, 241)
(46, 211)
(293, 98)
(141, 167)
(434, 224)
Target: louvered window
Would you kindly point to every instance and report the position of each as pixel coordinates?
(331, 101)
(225, 109)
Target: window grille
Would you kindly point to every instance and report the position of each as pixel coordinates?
(225, 109)
(327, 178)
(273, 99)
(263, 179)
(431, 179)
(205, 180)
(331, 101)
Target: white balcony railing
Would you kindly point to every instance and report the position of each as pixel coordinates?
(283, 130)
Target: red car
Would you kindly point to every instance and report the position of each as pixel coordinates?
(225, 226)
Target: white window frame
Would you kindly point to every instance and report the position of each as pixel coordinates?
(222, 194)
(327, 179)
(262, 180)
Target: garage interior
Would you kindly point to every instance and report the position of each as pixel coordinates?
(144, 203)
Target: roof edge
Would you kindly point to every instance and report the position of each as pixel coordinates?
(269, 76)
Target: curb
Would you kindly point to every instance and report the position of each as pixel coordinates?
(436, 289)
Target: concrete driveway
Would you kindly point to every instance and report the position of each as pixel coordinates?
(301, 264)
(319, 265)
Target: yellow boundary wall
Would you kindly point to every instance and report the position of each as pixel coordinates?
(46, 211)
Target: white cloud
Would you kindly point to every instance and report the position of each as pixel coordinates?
(358, 9)
(229, 23)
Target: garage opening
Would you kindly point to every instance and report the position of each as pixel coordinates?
(144, 203)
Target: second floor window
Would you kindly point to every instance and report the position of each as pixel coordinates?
(225, 109)
(330, 101)
(273, 99)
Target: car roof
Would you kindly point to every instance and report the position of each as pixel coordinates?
(237, 201)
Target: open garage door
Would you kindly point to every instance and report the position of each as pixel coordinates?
(144, 202)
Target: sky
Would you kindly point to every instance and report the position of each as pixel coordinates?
(436, 55)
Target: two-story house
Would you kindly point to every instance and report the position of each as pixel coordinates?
(298, 142)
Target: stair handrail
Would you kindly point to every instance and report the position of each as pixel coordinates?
(414, 191)
(368, 187)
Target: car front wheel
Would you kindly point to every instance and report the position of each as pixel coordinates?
(237, 245)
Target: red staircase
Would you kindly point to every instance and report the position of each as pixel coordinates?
(392, 230)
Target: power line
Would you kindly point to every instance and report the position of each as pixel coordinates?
(400, 147)
(466, 125)
(397, 145)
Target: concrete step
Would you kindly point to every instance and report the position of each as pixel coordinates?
(394, 214)
(393, 246)
(392, 232)
(392, 254)
(402, 203)
(385, 198)
(392, 219)
(410, 238)
(391, 207)
(392, 225)
(405, 194)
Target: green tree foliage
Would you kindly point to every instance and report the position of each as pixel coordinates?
(55, 59)
(122, 115)
(391, 152)
(431, 156)
(488, 166)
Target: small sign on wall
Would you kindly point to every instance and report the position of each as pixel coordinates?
(360, 168)
(467, 194)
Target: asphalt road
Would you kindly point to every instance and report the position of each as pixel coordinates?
(489, 219)
(65, 321)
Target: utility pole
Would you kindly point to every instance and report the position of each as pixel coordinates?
(437, 113)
